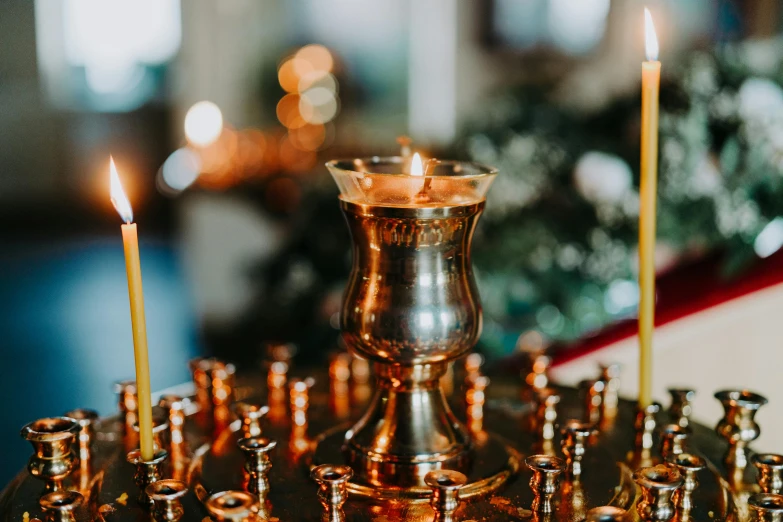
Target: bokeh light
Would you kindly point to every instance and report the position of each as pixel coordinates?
(288, 111)
(313, 57)
(179, 171)
(318, 105)
(203, 123)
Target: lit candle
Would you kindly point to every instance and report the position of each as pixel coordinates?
(651, 76)
(130, 243)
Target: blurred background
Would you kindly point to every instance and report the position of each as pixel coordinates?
(221, 114)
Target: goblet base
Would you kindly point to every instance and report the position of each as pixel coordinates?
(489, 463)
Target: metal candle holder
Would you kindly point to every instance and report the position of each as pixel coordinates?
(411, 306)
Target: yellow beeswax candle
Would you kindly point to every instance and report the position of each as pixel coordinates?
(651, 76)
(130, 242)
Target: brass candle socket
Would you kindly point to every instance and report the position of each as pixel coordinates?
(689, 467)
(174, 407)
(658, 484)
(738, 426)
(52, 439)
(87, 419)
(547, 400)
(232, 506)
(681, 406)
(445, 485)
(606, 514)
(610, 397)
(576, 434)
(770, 472)
(214, 380)
(544, 482)
(644, 427)
(768, 507)
(257, 463)
(592, 391)
(59, 506)
(127, 402)
(538, 376)
(147, 472)
(166, 496)
(250, 415)
(673, 439)
(332, 489)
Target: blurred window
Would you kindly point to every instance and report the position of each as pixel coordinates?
(106, 55)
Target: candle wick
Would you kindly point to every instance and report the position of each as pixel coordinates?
(423, 195)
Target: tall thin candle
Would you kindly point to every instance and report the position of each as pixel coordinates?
(651, 77)
(130, 242)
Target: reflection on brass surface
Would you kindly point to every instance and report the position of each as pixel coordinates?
(606, 514)
(474, 399)
(232, 506)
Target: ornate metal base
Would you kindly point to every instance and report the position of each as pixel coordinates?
(489, 463)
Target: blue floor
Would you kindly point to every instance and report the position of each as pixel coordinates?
(66, 335)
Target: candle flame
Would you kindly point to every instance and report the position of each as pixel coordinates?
(650, 38)
(417, 167)
(118, 197)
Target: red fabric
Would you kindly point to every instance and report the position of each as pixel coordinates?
(684, 291)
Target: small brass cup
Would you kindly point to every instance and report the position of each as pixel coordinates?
(658, 485)
(673, 439)
(681, 406)
(445, 485)
(250, 415)
(738, 425)
(768, 507)
(257, 463)
(59, 506)
(644, 427)
(770, 472)
(166, 496)
(689, 467)
(544, 482)
(575, 437)
(333, 489)
(52, 439)
(87, 419)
